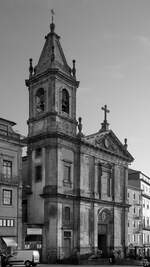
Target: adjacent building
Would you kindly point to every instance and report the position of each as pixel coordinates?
(10, 186)
(141, 182)
(75, 186)
(135, 219)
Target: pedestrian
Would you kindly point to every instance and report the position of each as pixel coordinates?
(3, 260)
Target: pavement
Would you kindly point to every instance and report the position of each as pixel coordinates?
(69, 265)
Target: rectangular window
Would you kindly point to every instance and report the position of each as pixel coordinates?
(109, 185)
(8, 222)
(4, 222)
(11, 223)
(38, 173)
(7, 197)
(67, 173)
(38, 152)
(67, 214)
(24, 210)
(7, 169)
(67, 234)
(99, 179)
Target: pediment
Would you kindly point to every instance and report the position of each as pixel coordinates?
(109, 142)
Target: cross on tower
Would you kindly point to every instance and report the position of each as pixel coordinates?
(52, 13)
(105, 124)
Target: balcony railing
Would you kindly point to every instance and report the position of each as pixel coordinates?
(8, 180)
(137, 229)
(146, 227)
(137, 216)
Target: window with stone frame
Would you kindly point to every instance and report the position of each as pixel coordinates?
(109, 184)
(40, 100)
(65, 101)
(38, 152)
(67, 173)
(67, 215)
(7, 197)
(7, 169)
(106, 180)
(38, 173)
(99, 179)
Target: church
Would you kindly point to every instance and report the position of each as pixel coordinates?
(75, 186)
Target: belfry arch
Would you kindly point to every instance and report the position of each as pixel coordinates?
(105, 231)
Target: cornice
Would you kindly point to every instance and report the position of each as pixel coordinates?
(51, 71)
(86, 199)
(74, 139)
(50, 113)
(46, 135)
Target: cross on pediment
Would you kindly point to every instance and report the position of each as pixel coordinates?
(105, 124)
(105, 112)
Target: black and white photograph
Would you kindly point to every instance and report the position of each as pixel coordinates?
(74, 133)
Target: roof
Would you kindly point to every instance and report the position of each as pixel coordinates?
(52, 55)
(7, 122)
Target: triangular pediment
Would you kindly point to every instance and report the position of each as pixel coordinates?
(109, 142)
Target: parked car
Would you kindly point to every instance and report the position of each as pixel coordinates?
(24, 257)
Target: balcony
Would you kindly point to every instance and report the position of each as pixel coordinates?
(9, 180)
(146, 227)
(137, 217)
(137, 229)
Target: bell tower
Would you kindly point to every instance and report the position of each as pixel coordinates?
(52, 152)
(52, 88)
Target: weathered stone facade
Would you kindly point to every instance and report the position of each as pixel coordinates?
(10, 186)
(78, 196)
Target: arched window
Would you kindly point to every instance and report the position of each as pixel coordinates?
(67, 214)
(65, 101)
(40, 100)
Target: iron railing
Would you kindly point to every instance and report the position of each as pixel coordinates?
(9, 179)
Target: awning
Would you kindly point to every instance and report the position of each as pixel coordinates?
(9, 241)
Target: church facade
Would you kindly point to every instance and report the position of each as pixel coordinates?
(76, 197)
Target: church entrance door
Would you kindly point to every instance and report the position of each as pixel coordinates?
(102, 242)
(105, 231)
(67, 247)
(102, 238)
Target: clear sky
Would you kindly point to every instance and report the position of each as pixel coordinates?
(110, 40)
